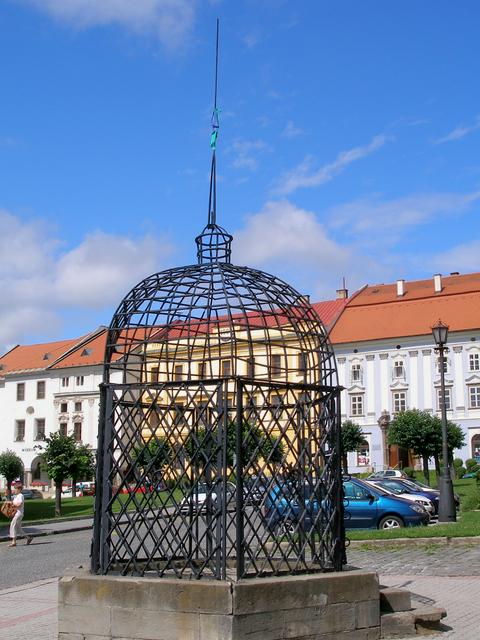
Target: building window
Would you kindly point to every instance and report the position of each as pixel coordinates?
(63, 429)
(154, 374)
(79, 381)
(474, 396)
(179, 415)
(356, 373)
(40, 429)
(41, 390)
(78, 406)
(178, 372)
(448, 399)
(20, 391)
(251, 368)
(474, 360)
(399, 401)
(302, 363)
(356, 405)
(277, 402)
(202, 370)
(398, 370)
(64, 407)
(276, 365)
(226, 368)
(19, 430)
(65, 382)
(77, 431)
(363, 454)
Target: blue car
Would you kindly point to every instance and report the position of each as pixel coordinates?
(288, 509)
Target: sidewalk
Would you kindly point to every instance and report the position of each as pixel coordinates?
(50, 528)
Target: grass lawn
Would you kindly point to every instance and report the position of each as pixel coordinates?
(36, 510)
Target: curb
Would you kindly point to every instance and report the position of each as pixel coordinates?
(52, 532)
(416, 542)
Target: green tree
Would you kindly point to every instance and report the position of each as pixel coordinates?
(152, 456)
(416, 430)
(82, 466)
(351, 438)
(257, 444)
(421, 432)
(11, 467)
(63, 458)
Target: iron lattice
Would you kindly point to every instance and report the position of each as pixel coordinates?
(219, 452)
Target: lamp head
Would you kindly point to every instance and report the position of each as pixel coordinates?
(440, 333)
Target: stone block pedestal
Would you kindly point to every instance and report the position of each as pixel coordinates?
(328, 606)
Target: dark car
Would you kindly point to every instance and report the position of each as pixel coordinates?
(425, 487)
(31, 494)
(409, 487)
(288, 508)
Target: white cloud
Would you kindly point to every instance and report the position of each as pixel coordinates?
(291, 130)
(372, 216)
(463, 257)
(246, 153)
(290, 242)
(459, 132)
(39, 281)
(170, 20)
(303, 176)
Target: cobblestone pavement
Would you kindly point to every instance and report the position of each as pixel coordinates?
(29, 612)
(445, 576)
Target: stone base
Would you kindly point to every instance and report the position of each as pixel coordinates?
(328, 606)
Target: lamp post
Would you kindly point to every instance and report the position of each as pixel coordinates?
(446, 507)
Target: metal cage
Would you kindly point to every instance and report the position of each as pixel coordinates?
(219, 439)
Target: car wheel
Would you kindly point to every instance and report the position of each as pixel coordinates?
(286, 528)
(390, 522)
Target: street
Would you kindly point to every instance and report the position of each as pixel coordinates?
(444, 575)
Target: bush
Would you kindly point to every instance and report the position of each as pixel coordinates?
(471, 501)
(457, 463)
(409, 471)
(471, 465)
(460, 472)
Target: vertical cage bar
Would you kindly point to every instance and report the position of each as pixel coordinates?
(95, 547)
(105, 480)
(239, 520)
(339, 553)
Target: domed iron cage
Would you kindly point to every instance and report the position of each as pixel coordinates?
(219, 440)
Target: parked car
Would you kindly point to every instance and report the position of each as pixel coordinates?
(366, 507)
(196, 498)
(425, 487)
(32, 494)
(387, 473)
(393, 489)
(407, 486)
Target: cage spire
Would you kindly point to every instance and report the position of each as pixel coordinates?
(214, 243)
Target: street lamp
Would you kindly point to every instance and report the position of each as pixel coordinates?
(446, 507)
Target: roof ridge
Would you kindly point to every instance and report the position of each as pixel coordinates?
(81, 342)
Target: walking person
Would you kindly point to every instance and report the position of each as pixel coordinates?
(16, 523)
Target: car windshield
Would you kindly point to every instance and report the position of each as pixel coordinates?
(394, 487)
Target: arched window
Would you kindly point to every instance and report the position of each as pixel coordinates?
(476, 447)
(363, 455)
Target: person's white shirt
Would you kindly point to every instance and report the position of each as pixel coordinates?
(18, 502)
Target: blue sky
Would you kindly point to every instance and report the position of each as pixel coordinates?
(348, 147)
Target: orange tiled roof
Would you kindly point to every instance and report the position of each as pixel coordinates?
(34, 356)
(89, 352)
(376, 312)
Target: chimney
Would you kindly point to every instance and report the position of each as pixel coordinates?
(437, 282)
(342, 293)
(400, 287)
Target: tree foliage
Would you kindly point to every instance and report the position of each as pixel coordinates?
(257, 444)
(11, 468)
(153, 455)
(351, 438)
(421, 432)
(63, 457)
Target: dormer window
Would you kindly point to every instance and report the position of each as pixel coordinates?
(86, 352)
(356, 374)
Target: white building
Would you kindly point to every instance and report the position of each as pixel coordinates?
(46, 388)
(387, 361)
